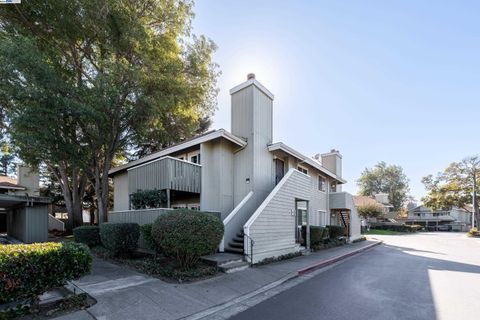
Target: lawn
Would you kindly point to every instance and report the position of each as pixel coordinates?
(382, 232)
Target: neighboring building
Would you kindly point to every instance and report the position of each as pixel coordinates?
(23, 213)
(262, 190)
(455, 219)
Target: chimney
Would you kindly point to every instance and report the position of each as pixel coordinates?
(28, 178)
(332, 161)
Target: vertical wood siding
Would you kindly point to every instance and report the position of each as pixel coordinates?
(166, 173)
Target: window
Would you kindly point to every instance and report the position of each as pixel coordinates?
(333, 187)
(195, 158)
(321, 183)
(302, 169)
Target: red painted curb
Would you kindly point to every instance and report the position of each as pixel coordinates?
(330, 261)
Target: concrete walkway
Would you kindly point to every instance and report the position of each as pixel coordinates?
(125, 294)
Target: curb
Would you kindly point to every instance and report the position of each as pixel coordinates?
(213, 310)
(333, 260)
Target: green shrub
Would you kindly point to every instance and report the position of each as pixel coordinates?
(147, 199)
(395, 227)
(317, 236)
(29, 270)
(474, 233)
(336, 231)
(146, 231)
(186, 235)
(89, 235)
(120, 239)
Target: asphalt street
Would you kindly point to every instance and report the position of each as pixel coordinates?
(421, 276)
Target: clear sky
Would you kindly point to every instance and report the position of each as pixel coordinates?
(395, 81)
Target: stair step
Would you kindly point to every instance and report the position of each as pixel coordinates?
(237, 239)
(234, 267)
(234, 250)
(236, 245)
(240, 235)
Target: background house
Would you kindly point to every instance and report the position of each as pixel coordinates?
(23, 213)
(454, 219)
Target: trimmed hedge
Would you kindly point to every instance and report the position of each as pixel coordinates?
(29, 270)
(336, 231)
(317, 236)
(395, 227)
(186, 235)
(89, 235)
(146, 231)
(120, 239)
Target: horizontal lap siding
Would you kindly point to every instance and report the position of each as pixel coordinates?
(274, 229)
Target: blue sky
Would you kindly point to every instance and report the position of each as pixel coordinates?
(395, 81)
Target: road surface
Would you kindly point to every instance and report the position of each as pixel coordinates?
(432, 276)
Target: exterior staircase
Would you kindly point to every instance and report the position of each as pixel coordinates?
(227, 262)
(236, 244)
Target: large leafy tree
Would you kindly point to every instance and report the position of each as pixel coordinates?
(85, 80)
(383, 178)
(456, 186)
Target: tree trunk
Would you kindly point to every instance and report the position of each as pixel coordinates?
(73, 189)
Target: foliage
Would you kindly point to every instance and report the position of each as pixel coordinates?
(147, 199)
(146, 231)
(282, 257)
(383, 178)
(318, 235)
(395, 227)
(186, 235)
(336, 231)
(29, 270)
(8, 156)
(86, 80)
(362, 238)
(370, 210)
(474, 233)
(120, 239)
(89, 235)
(454, 187)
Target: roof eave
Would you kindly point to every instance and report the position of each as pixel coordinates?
(308, 160)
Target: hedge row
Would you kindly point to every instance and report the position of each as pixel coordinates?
(28, 270)
(186, 235)
(89, 235)
(396, 227)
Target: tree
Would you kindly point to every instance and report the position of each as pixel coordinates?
(85, 80)
(456, 186)
(383, 178)
(8, 157)
(370, 210)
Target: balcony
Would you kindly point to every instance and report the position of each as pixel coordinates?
(166, 174)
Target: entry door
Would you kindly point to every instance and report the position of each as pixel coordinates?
(279, 170)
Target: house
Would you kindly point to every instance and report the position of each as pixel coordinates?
(264, 191)
(23, 213)
(455, 219)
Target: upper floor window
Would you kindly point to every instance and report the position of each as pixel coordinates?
(333, 187)
(302, 169)
(195, 158)
(322, 183)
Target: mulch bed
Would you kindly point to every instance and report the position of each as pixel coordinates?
(159, 266)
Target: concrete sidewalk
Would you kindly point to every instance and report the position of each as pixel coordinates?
(125, 294)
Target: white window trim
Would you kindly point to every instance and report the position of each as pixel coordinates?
(325, 184)
(304, 168)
